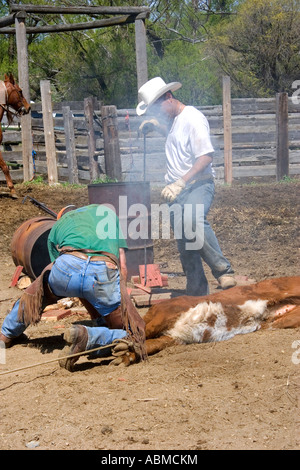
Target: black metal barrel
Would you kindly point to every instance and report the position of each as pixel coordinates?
(140, 250)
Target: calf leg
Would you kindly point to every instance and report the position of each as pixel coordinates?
(288, 320)
(155, 345)
(9, 182)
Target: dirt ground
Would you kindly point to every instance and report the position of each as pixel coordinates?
(240, 394)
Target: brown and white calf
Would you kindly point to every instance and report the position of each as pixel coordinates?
(272, 303)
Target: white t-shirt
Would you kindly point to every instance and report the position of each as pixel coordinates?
(188, 139)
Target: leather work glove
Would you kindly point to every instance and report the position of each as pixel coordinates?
(148, 126)
(123, 352)
(170, 192)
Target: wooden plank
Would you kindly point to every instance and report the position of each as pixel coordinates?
(89, 116)
(23, 74)
(227, 130)
(141, 53)
(79, 123)
(49, 131)
(57, 106)
(263, 170)
(70, 145)
(7, 20)
(113, 164)
(282, 135)
(250, 107)
(259, 106)
(13, 156)
(11, 137)
(16, 175)
(59, 28)
(79, 10)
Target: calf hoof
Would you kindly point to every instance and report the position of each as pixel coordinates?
(125, 360)
(14, 195)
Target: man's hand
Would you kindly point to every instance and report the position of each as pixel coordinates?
(149, 126)
(172, 191)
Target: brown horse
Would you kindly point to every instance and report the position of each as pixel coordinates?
(11, 96)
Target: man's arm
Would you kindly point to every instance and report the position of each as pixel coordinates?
(200, 164)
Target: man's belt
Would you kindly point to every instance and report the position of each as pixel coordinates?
(81, 255)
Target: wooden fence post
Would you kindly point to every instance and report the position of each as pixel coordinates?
(89, 115)
(23, 79)
(113, 167)
(49, 132)
(227, 130)
(141, 52)
(70, 145)
(282, 136)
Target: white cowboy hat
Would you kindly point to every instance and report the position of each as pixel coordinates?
(151, 91)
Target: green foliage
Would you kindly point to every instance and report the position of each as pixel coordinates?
(259, 48)
(105, 179)
(288, 179)
(37, 181)
(187, 63)
(256, 42)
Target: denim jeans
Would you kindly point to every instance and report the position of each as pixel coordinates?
(91, 280)
(205, 246)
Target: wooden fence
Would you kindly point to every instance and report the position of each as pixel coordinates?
(253, 142)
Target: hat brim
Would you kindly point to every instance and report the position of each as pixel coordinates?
(143, 107)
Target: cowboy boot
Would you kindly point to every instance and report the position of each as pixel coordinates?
(7, 341)
(226, 281)
(77, 338)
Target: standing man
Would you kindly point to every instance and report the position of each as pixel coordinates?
(189, 180)
(87, 250)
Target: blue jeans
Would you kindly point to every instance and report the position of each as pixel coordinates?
(203, 247)
(90, 280)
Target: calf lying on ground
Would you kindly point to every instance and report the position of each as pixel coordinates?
(273, 303)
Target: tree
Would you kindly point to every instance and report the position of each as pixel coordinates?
(260, 47)
(181, 43)
(178, 33)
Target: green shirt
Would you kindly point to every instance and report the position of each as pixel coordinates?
(94, 227)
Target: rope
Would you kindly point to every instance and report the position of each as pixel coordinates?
(57, 359)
